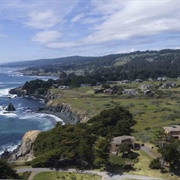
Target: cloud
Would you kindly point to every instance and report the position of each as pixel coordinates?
(62, 44)
(108, 21)
(46, 37)
(42, 20)
(77, 18)
(135, 19)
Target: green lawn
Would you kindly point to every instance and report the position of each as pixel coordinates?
(65, 176)
(142, 168)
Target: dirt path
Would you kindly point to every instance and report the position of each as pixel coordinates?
(147, 150)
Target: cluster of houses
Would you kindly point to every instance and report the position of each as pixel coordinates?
(146, 89)
(173, 130)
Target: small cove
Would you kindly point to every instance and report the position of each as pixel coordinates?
(13, 125)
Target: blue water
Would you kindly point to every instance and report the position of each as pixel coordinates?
(14, 125)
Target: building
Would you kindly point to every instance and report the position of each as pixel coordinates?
(173, 130)
(145, 87)
(125, 82)
(161, 78)
(63, 87)
(85, 85)
(119, 140)
(169, 85)
(130, 91)
(148, 92)
(138, 80)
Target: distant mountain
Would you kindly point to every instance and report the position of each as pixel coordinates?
(140, 60)
(46, 62)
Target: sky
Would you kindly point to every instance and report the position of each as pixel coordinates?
(38, 29)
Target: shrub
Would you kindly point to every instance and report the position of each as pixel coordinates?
(155, 164)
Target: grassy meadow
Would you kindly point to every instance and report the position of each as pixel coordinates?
(151, 113)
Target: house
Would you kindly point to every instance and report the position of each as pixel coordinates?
(130, 91)
(85, 85)
(125, 82)
(173, 130)
(63, 87)
(55, 85)
(145, 87)
(150, 79)
(108, 91)
(119, 140)
(169, 85)
(162, 79)
(148, 92)
(138, 80)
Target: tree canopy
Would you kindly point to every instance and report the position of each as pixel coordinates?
(82, 145)
(6, 172)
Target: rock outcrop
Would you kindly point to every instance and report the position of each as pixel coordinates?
(24, 152)
(18, 91)
(65, 112)
(10, 107)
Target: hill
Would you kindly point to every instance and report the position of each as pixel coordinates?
(139, 64)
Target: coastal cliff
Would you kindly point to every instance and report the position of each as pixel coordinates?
(64, 111)
(24, 151)
(60, 109)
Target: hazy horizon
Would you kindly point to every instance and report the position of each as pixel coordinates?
(37, 29)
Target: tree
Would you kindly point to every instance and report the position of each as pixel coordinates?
(171, 153)
(6, 172)
(125, 147)
(101, 151)
(169, 148)
(155, 164)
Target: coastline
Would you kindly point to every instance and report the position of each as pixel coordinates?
(57, 115)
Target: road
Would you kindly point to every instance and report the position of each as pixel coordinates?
(105, 175)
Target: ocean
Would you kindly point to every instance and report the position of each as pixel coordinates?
(14, 125)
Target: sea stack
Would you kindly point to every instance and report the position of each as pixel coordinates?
(10, 107)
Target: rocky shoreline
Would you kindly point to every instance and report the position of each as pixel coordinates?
(24, 151)
(61, 110)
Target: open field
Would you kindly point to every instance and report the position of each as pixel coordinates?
(65, 176)
(151, 113)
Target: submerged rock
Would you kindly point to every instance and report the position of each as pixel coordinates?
(10, 107)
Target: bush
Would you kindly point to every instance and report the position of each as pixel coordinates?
(132, 155)
(155, 164)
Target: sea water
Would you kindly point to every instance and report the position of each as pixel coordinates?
(13, 125)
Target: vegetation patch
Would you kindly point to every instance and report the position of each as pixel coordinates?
(65, 176)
